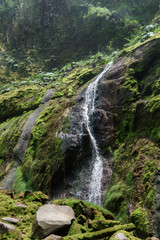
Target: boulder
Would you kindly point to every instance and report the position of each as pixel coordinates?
(50, 218)
(4, 228)
(10, 220)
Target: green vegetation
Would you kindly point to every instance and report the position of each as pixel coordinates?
(139, 218)
(115, 201)
(85, 225)
(32, 202)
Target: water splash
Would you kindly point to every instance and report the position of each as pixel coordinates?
(97, 160)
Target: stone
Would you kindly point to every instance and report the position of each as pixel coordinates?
(120, 236)
(50, 218)
(20, 205)
(10, 220)
(53, 237)
(6, 227)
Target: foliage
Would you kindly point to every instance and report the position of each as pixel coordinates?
(98, 11)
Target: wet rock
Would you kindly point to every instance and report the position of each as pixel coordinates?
(50, 218)
(6, 227)
(120, 236)
(10, 220)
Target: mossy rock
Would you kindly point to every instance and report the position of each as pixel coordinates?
(25, 215)
(102, 224)
(141, 221)
(18, 101)
(89, 210)
(102, 233)
(77, 227)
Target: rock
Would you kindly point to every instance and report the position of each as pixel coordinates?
(120, 236)
(50, 218)
(20, 205)
(6, 227)
(53, 237)
(10, 220)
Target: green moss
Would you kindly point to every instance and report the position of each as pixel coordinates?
(10, 131)
(102, 233)
(139, 218)
(131, 84)
(18, 101)
(115, 201)
(19, 184)
(77, 228)
(100, 224)
(136, 165)
(147, 177)
(130, 179)
(24, 215)
(11, 235)
(154, 104)
(149, 199)
(158, 72)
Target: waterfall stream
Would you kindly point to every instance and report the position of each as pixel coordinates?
(94, 192)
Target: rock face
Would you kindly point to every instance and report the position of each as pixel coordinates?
(50, 218)
(78, 146)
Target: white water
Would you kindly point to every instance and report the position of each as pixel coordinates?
(94, 192)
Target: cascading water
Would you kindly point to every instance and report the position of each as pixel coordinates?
(94, 192)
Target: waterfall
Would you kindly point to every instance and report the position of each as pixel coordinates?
(94, 192)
